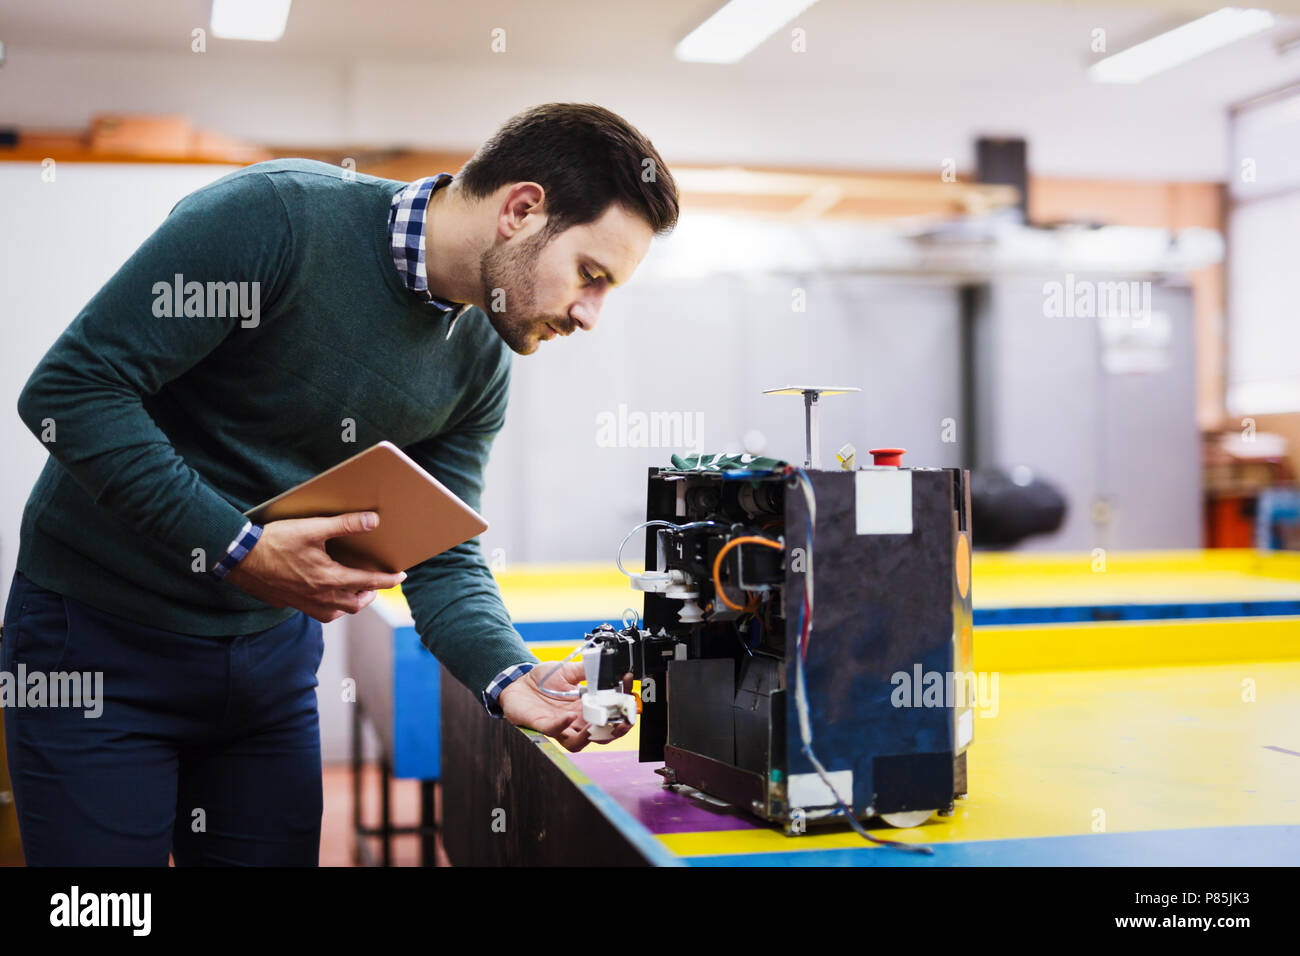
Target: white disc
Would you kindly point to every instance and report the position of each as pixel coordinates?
(906, 818)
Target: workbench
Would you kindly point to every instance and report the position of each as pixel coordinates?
(1148, 712)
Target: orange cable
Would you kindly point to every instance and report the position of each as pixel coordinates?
(717, 564)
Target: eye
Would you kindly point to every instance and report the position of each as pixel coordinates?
(587, 277)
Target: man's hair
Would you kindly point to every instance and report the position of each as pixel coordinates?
(585, 157)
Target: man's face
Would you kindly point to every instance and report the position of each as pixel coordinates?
(534, 289)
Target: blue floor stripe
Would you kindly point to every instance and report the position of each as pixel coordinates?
(570, 631)
(1212, 846)
(1094, 613)
(573, 631)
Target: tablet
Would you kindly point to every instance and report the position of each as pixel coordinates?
(418, 516)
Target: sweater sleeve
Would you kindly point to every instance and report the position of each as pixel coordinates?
(453, 597)
(85, 399)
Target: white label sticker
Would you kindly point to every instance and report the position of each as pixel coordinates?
(808, 790)
(965, 728)
(883, 501)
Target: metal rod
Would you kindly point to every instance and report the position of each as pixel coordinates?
(807, 429)
(812, 430)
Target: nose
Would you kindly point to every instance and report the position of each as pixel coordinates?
(586, 311)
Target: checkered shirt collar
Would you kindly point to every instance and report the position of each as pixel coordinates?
(407, 241)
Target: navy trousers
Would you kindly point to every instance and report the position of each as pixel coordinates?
(205, 747)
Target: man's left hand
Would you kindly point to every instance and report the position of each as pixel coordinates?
(524, 705)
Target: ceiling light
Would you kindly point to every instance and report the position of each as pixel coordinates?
(249, 19)
(1179, 45)
(737, 29)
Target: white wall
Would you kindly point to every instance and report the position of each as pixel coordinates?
(873, 122)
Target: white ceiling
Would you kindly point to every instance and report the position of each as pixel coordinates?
(883, 83)
(994, 45)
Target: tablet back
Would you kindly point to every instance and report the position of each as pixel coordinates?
(418, 515)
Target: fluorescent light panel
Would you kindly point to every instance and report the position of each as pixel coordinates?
(736, 29)
(1179, 45)
(249, 19)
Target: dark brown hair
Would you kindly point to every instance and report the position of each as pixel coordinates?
(585, 157)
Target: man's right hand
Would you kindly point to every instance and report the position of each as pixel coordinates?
(289, 567)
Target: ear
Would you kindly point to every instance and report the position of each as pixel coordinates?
(521, 205)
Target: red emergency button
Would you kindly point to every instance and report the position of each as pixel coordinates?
(888, 456)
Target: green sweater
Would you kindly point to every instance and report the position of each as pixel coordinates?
(163, 426)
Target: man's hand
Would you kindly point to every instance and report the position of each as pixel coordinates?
(289, 567)
(526, 706)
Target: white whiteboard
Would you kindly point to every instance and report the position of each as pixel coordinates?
(1263, 330)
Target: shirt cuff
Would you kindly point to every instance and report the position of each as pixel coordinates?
(242, 544)
(500, 683)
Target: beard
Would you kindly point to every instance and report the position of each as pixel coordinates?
(509, 292)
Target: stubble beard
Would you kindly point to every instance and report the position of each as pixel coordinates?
(508, 279)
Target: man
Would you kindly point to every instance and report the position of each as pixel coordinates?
(278, 321)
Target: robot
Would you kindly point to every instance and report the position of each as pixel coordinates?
(805, 647)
